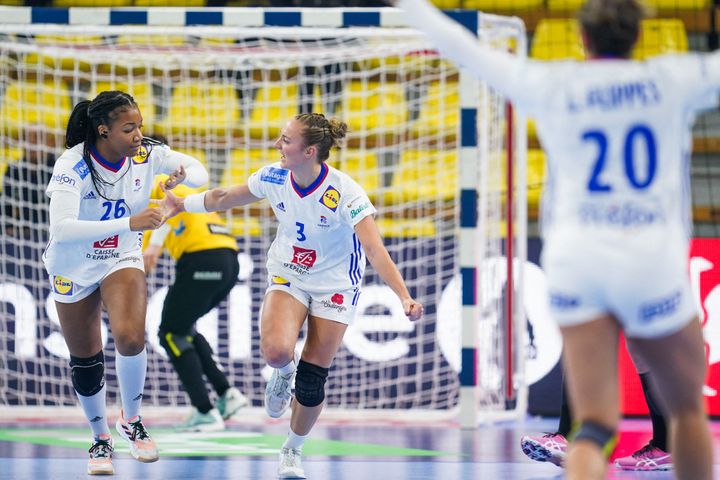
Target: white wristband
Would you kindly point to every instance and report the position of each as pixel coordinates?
(195, 203)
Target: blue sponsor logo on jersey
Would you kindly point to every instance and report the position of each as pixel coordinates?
(660, 308)
(180, 229)
(81, 169)
(274, 175)
(63, 179)
(90, 196)
(627, 214)
(280, 206)
(330, 198)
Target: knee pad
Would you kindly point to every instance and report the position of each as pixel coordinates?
(175, 344)
(603, 437)
(310, 384)
(88, 374)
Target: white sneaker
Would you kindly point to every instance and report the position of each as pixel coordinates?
(202, 422)
(230, 402)
(278, 392)
(291, 463)
(142, 446)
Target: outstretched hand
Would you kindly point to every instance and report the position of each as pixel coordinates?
(175, 178)
(171, 205)
(413, 309)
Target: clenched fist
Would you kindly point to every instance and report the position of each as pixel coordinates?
(149, 219)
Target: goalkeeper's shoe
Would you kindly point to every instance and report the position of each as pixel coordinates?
(202, 422)
(648, 459)
(142, 447)
(231, 402)
(101, 452)
(550, 447)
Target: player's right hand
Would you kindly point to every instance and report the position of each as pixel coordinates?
(149, 219)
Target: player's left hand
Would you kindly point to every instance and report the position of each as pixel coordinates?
(413, 309)
(171, 205)
(176, 178)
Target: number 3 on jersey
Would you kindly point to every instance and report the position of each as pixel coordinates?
(300, 231)
(636, 134)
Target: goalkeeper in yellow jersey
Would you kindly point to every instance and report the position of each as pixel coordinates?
(206, 270)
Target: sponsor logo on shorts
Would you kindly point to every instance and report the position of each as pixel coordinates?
(133, 259)
(63, 179)
(274, 175)
(275, 280)
(660, 308)
(335, 303)
(62, 286)
(337, 298)
(207, 276)
(110, 242)
(81, 169)
(330, 198)
(563, 301)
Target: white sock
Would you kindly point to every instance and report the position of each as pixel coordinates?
(288, 369)
(94, 408)
(131, 377)
(294, 440)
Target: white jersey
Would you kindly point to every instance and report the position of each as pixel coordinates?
(316, 245)
(127, 193)
(616, 132)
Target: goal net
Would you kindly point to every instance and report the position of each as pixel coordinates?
(222, 94)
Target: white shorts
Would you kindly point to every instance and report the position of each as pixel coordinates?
(647, 290)
(64, 290)
(339, 306)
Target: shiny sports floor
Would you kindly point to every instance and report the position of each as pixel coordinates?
(55, 449)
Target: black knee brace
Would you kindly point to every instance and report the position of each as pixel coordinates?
(310, 384)
(605, 438)
(175, 344)
(88, 374)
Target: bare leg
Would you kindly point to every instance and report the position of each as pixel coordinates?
(677, 363)
(590, 362)
(281, 319)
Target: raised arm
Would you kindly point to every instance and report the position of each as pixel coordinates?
(217, 199)
(183, 169)
(498, 69)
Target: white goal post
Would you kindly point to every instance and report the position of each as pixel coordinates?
(441, 156)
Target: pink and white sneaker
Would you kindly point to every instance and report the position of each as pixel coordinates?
(550, 447)
(142, 447)
(101, 451)
(648, 459)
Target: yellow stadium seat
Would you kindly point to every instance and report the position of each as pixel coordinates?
(197, 153)
(151, 40)
(8, 155)
(273, 106)
(679, 4)
(535, 177)
(439, 113)
(569, 6)
(659, 36)
(141, 92)
(74, 46)
(207, 109)
(424, 175)
(557, 39)
(169, 3)
(28, 103)
(406, 227)
(374, 107)
(244, 163)
(241, 225)
(503, 5)
(92, 3)
(362, 166)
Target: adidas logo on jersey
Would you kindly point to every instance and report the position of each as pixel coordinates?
(90, 196)
(280, 206)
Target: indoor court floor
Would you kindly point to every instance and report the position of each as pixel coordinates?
(339, 450)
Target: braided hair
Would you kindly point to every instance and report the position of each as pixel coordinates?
(321, 132)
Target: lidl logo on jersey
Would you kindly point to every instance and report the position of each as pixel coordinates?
(81, 169)
(110, 242)
(274, 175)
(62, 286)
(331, 198)
(304, 257)
(141, 157)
